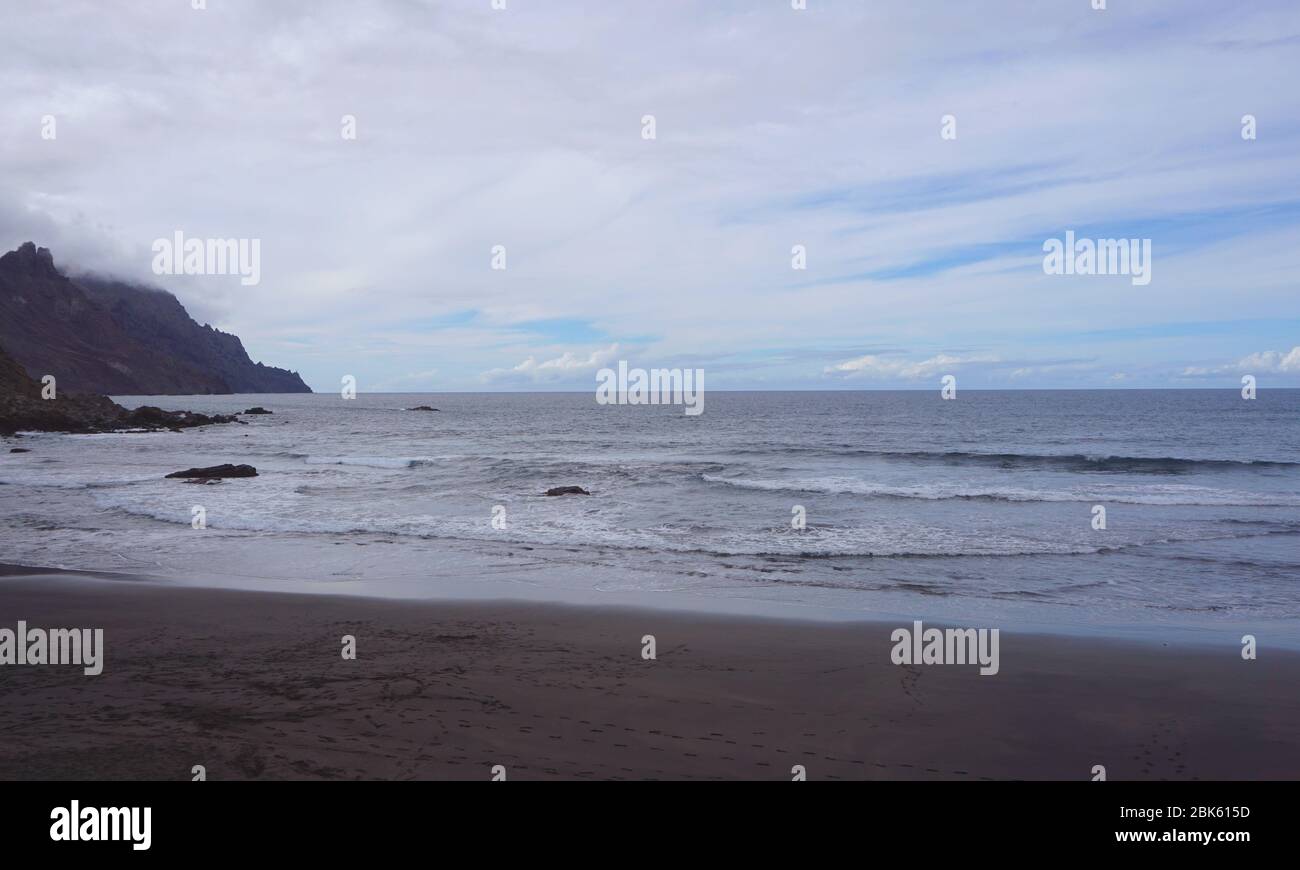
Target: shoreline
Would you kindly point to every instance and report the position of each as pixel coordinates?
(252, 686)
(489, 589)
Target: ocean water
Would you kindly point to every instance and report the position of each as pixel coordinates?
(978, 509)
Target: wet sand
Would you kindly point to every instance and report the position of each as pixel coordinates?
(253, 686)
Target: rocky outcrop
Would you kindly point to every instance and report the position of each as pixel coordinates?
(567, 490)
(215, 471)
(98, 335)
(257, 410)
(23, 410)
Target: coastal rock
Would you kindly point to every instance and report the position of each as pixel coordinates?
(215, 471)
(258, 409)
(23, 409)
(149, 417)
(19, 450)
(421, 408)
(567, 490)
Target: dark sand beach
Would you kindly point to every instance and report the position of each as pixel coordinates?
(253, 686)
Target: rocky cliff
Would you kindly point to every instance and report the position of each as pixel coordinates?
(97, 335)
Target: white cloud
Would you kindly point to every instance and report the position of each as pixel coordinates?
(1054, 368)
(522, 128)
(564, 366)
(1272, 361)
(872, 366)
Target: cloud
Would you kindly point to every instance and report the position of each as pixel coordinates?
(872, 366)
(1271, 361)
(522, 128)
(563, 367)
(1056, 368)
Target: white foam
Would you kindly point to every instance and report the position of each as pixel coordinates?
(1155, 494)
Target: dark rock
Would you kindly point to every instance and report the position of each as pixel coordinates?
(19, 450)
(23, 409)
(421, 408)
(567, 490)
(149, 417)
(213, 471)
(258, 409)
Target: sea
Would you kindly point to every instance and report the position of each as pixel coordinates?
(985, 510)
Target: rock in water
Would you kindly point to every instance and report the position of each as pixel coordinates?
(567, 490)
(258, 409)
(226, 470)
(19, 450)
(421, 408)
(150, 417)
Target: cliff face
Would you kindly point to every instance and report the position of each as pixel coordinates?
(102, 336)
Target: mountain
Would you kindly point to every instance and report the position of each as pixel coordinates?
(97, 335)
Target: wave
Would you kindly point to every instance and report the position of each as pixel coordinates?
(1065, 461)
(611, 541)
(593, 541)
(1204, 496)
(50, 480)
(393, 462)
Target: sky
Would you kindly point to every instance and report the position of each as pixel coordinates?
(774, 127)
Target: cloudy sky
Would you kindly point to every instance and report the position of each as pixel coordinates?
(774, 127)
